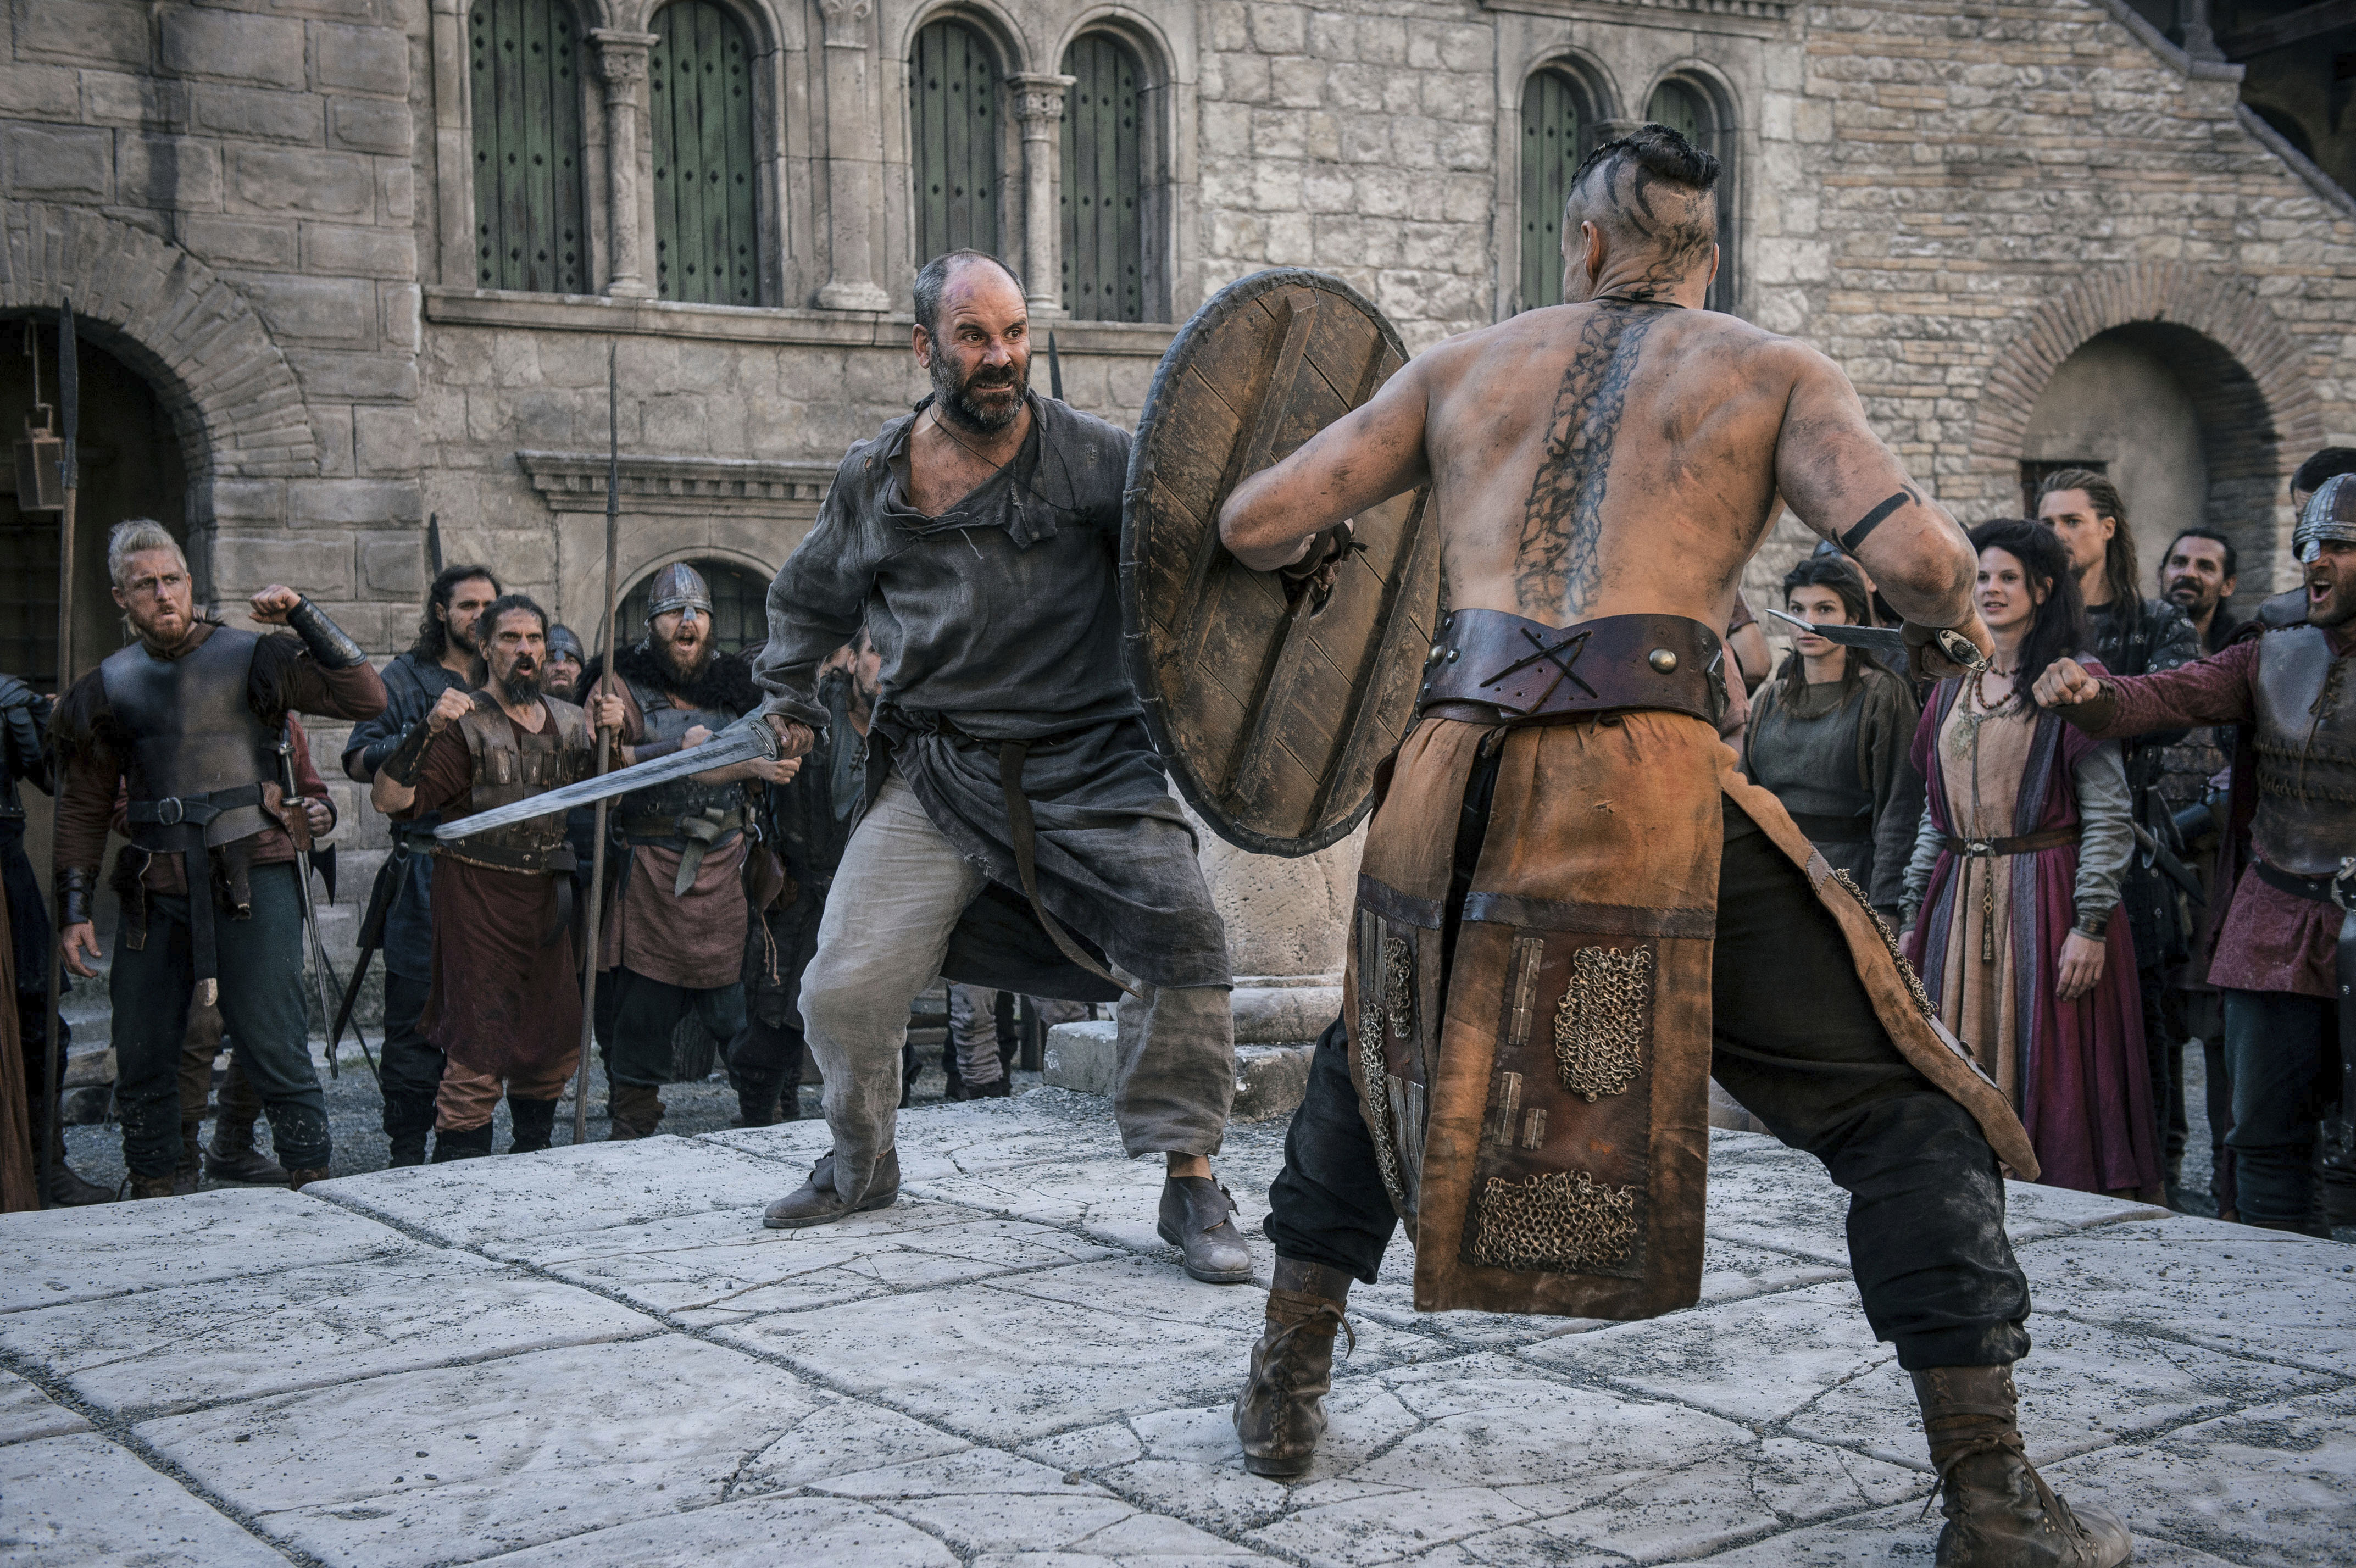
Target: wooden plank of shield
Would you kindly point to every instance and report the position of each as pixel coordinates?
(1272, 712)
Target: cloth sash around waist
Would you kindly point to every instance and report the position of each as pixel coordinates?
(1490, 667)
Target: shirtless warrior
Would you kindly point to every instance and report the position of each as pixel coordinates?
(1573, 910)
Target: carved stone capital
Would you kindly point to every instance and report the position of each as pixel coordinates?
(846, 21)
(621, 57)
(1038, 100)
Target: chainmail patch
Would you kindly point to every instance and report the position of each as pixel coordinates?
(1914, 981)
(1599, 1029)
(1398, 985)
(1558, 1219)
(1373, 1070)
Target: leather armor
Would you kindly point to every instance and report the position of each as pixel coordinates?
(509, 768)
(2304, 731)
(645, 812)
(195, 735)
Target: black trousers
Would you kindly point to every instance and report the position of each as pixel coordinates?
(1798, 1044)
(636, 1016)
(411, 1069)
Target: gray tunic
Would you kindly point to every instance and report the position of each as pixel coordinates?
(999, 620)
(1835, 755)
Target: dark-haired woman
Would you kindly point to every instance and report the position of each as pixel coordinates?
(2015, 882)
(1829, 737)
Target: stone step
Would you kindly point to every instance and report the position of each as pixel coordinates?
(1269, 1079)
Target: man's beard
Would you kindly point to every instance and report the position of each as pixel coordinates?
(520, 685)
(463, 638)
(561, 687)
(2189, 597)
(953, 394)
(2338, 610)
(684, 674)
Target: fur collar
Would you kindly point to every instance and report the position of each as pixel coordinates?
(725, 685)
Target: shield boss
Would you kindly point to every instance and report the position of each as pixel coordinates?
(1271, 715)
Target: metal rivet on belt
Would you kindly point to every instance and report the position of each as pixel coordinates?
(1447, 621)
(1436, 651)
(1453, 654)
(1664, 661)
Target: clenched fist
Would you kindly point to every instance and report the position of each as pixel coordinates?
(451, 705)
(794, 739)
(2066, 683)
(270, 605)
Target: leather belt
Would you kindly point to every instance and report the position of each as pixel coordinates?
(1509, 669)
(2325, 889)
(194, 809)
(2025, 844)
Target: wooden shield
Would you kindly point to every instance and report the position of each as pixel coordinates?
(1271, 717)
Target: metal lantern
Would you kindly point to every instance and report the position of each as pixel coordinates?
(40, 458)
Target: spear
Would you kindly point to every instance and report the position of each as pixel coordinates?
(1055, 371)
(606, 738)
(52, 1043)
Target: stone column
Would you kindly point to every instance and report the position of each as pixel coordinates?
(2200, 38)
(854, 141)
(622, 62)
(1038, 102)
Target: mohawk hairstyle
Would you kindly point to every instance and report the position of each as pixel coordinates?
(1652, 186)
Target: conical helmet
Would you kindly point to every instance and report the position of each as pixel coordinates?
(563, 644)
(678, 586)
(2331, 514)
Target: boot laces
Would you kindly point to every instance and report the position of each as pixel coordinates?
(2009, 1442)
(1325, 1315)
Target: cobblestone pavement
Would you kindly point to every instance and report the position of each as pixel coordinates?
(595, 1355)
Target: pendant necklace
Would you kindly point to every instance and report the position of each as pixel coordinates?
(1977, 713)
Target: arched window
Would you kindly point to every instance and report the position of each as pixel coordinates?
(953, 89)
(1104, 182)
(699, 96)
(525, 69)
(1692, 111)
(739, 615)
(1554, 138)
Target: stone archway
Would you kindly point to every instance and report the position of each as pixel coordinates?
(2257, 412)
(232, 396)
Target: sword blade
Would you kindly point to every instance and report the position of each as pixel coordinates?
(747, 739)
(1882, 640)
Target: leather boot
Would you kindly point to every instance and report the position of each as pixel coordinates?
(66, 1190)
(408, 1119)
(1198, 1218)
(817, 1203)
(461, 1143)
(298, 1180)
(186, 1177)
(235, 1157)
(155, 1187)
(637, 1110)
(758, 1099)
(2000, 1513)
(535, 1125)
(1280, 1414)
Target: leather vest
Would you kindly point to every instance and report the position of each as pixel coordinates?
(509, 768)
(644, 809)
(2306, 737)
(194, 731)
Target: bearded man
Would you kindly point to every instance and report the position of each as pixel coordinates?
(504, 1006)
(977, 538)
(448, 657)
(567, 659)
(1570, 897)
(676, 912)
(189, 717)
(2285, 952)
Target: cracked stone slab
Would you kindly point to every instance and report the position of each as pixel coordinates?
(1116, 1200)
(591, 1187)
(2265, 1293)
(75, 1501)
(463, 1463)
(985, 1501)
(722, 1268)
(760, 1532)
(2082, 1387)
(1780, 1201)
(1900, 1538)
(1016, 1357)
(2033, 1212)
(2269, 1487)
(113, 1249)
(25, 1413)
(939, 1142)
(189, 1346)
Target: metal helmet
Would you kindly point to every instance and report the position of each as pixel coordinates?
(2331, 514)
(680, 587)
(563, 645)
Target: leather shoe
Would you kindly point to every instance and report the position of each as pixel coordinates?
(1198, 1218)
(817, 1203)
(236, 1158)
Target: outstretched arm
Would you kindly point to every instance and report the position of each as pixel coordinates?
(1836, 474)
(1359, 461)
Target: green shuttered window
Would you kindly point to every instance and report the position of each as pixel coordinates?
(1683, 108)
(953, 83)
(700, 95)
(1104, 245)
(1550, 154)
(524, 58)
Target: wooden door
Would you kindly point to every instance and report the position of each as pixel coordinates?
(1104, 245)
(700, 82)
(524, 61)
(1550, 153)
(953, 94)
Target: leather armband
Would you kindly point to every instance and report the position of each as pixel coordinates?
(2097, 932)
(408, 759)
(75, 884)
(1314, 573)
(1933, 653)
(328, 643)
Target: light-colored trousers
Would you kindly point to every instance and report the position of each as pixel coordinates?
(894, 902)
(973, 1027)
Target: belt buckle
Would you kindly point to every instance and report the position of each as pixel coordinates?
(1980, 848)
(171, 811)
(2343, 886)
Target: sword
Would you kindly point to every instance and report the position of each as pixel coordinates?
(1886, 642)
(1055, 371)
(303, 880)
(748, 738)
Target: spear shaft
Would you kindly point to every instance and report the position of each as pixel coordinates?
(605, 743)
(53, 1076)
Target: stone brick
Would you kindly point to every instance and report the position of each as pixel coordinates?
(393, 567)
(263, 244)
(59, 161)
(167, 171)
(317, 563)
(370, 124)
(1280, 29)
(339, 250)
(1297, 83)
(334, 184)
(41, 91)
(359, 60)
(368, 501)
(85, 32)
(334, 309)
(249, 500)
(264, 49)
(259, 114)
